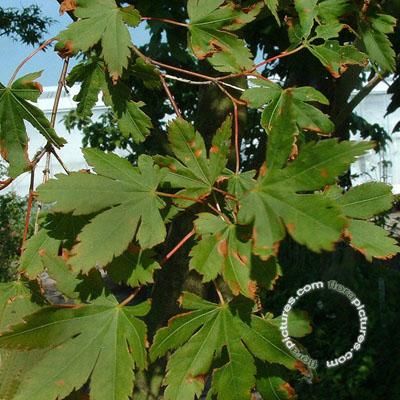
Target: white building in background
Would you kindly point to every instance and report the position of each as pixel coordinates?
(369, 167)
(383, 166)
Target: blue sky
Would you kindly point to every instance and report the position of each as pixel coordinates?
(12, 52)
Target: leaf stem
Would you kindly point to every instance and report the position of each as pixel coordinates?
(130, 297)
(60, 161)
(61, 84)
(356, 100)
(235, 103)
(28, 209)
(226, 194)
(170, 96)
(178, 196)
(6, 183)
(237, 141)
(200, 201)
(219, 293)
(262, 63)
(166, 20)
(279, 56)
(49, 150)
(40, 48)
(171, 67)
(178, 246)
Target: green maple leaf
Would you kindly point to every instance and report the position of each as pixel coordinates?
(224, 251)
(360, 204)
(135, 267)
(124, 198)
(329, 14)
(329, 10)
(285, 114)
(31, 263)
(91, 74)
(147, 73)
(201, 334)
(102, 342)
(131, 120)
(15, 304)
(298, 322)
(371, 240)
(337, 58)
(374, 33)
(57, 230)
(102, 22)
(191, 170)
(270, 384)
(326, 14)
(240, 183)
(15, 108)
(307, 11)
(273, 7)
(211, 27)
(278, 202)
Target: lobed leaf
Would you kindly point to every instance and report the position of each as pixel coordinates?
(102, 22)
(125, 200)
(210, 33)
(103, 343)
(15, 109)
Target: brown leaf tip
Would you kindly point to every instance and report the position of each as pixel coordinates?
(289, 390)
(67, 6)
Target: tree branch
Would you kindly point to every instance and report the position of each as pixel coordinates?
(42, 47)
(178, 246)
(165, 20)
(170, 96)
(358, 98)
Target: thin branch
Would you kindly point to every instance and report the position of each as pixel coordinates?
(28, 209)
(262, 63)
(220, 213)
(178, 246)
(6, 183)
(201, 83)
(38, 157)
(60, 161)
(31, 196)
(178, 196)
(235, 103)
(165, 20)
(200, 201)
(171, 67)
(49, 150)
(61, 84)
(232, 98)
(46, 174)
(237, 141)
(216, 202)
(357, 99)
(221, 298)
(40, 48)
(130, 297)
(190, 82)
(279, 56)
(170, 96)
(226, 194)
